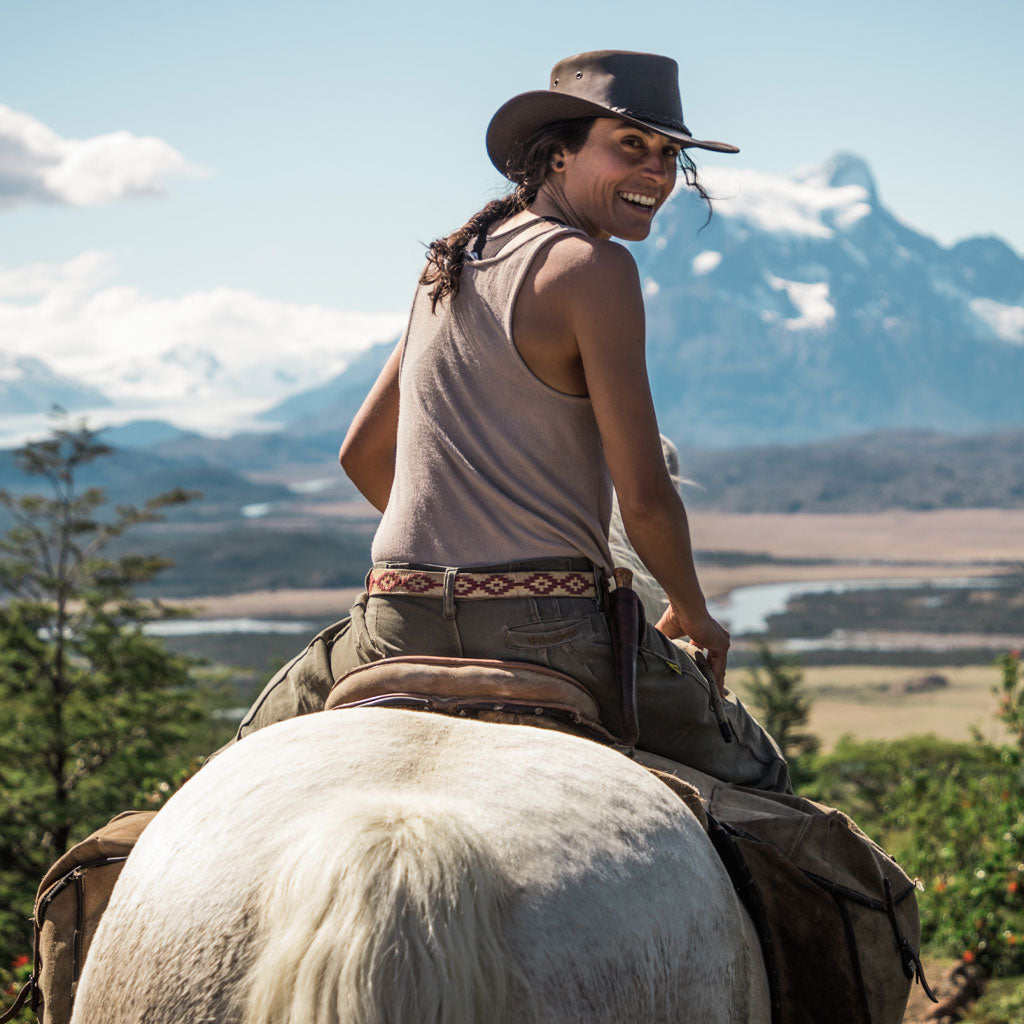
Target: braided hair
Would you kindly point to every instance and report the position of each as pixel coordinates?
(527, 170)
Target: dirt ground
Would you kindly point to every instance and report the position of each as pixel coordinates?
(718, 580)
(920, 545)
(955, 536)
(851, 699)
(924, 545)
(919, 1005)
(274, 604)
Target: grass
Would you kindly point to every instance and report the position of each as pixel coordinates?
(866, 701)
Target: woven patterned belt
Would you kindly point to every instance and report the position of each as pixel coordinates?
(473, 585)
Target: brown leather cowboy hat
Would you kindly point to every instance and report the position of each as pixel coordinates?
(641, 88)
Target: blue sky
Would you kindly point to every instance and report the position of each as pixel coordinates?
(319, 145)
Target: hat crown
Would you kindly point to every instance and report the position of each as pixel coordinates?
(644, 85)
(641, 88)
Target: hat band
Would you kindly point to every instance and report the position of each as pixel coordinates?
(643, 115)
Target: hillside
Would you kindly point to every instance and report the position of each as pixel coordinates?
(131, 475)
(294, 473)
(917, 470)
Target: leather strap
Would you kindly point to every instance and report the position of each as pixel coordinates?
(27, 990)
(626, 625)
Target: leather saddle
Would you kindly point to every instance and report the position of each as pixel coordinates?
(492, 690)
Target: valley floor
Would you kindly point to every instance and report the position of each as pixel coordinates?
(880, 701)
(960, 537)
(867, 695)
(767, 549)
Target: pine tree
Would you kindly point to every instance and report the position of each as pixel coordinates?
(775, 691)
(92, 705)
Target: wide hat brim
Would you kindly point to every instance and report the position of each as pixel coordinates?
(518, 120)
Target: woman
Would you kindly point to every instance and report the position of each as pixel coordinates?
(516, 397)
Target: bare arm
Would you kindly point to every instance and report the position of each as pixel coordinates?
(603, 297)
(368, 452)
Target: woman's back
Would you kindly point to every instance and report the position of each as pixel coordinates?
(492, 464)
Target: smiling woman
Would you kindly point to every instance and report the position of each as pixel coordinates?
(517, 396)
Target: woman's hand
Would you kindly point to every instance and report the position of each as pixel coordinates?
(705, 632)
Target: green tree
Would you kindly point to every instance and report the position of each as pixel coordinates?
(92, 705)
(1010, 692)
(776, 692)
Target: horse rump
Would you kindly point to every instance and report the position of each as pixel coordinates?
(388, 867)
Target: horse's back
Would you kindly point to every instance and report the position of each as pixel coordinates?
(396, 866)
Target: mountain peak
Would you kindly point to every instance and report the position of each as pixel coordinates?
(813, 202)
(848, 169)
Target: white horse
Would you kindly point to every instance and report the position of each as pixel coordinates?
(381, 866)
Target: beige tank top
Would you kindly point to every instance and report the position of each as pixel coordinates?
(492, 464)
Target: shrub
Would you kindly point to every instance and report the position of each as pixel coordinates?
(1003, 1003)
(952, 814)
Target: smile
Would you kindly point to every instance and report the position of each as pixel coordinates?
(637, 199)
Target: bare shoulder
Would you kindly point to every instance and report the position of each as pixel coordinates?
(595, 271)
(580, 258)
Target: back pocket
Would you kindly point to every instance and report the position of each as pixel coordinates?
(535, 636)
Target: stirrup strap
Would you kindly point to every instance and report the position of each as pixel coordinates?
(19, 1002)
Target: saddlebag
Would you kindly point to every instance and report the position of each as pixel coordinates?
(836, 915)
(69, 904)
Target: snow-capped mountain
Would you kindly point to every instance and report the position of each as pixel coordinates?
(806, 309)
(29, 385)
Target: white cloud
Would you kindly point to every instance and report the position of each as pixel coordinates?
(37, 165)
(219, 346)
(704, 262)
(811, 299)
(55, 279)
(1007, 322)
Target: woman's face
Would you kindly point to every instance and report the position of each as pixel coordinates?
(617, 181)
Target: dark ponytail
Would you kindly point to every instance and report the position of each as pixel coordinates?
(527, 170)
(445, 256)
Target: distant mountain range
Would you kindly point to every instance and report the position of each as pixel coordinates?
(804, 310)
(328, 409)
(284, 476)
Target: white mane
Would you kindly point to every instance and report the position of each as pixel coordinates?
(650, 591)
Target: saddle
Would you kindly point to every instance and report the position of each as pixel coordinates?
(497, 691)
